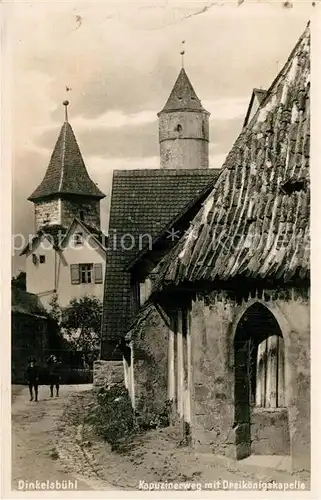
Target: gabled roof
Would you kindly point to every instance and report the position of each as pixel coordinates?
(257, 98)
(66, 173)
(142, 202)
(183, 97)
(58, 234)
(94, 232)
(54, 233)
(255, 223)
(23, 302)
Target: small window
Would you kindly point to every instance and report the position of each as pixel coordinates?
(46, 219)
(34, 259)
(178, 128)
(86, 273)
(78, 239)
(82, 215)
(42, 259)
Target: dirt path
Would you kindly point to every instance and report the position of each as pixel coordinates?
(51, 442)
(154, 457)
(35, 454)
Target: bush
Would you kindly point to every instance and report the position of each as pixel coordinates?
(148, 419)
(112, 416)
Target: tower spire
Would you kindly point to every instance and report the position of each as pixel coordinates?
(66, 103)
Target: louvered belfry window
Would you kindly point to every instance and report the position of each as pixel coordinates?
(86, 273)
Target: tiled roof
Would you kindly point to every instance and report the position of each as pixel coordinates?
(183, 96)
(97, 233)
(255, 223)
(55, 234)
(23, 302)
(66, 173)
(142, 202)
(99, 236)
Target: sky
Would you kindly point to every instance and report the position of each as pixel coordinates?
(121, 61)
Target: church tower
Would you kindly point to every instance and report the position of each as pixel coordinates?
(183, 128)
(66, 191)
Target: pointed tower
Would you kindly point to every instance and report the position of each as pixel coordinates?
(183, 128)
(66, 190)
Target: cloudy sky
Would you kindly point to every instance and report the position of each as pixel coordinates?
(121, 61)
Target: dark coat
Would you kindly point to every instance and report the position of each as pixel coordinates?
(33, 375)
(54, 373)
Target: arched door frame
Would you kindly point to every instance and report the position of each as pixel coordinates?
(285, 330)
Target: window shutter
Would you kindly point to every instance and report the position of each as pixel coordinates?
(74, 274)
(98, 273)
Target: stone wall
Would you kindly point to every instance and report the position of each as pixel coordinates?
(58, 211)
(183, 138)
(213, 377)
(213, 324)
(47, 212)
(270, 432)
(108, 374)
(150, 369)
(72, 208)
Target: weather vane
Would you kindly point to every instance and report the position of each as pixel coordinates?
(65, 103)
(182, 53)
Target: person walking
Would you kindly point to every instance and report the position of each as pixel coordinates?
(54, 375)
(32, 376)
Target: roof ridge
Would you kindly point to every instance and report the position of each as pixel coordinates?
(165, 172)
(284, 68)
(63, 155)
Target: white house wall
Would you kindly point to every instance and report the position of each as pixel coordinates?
(88, 253)
(41, 277)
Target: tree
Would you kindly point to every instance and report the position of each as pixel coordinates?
(81, 324)
(20, 281)
(55, 309)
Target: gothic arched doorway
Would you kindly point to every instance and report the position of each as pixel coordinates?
(261, 420)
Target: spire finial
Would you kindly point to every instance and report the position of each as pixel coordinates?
(65, 103)
(182, 53)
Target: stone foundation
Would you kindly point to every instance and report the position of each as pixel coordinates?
(270, 432)
(107, 374)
